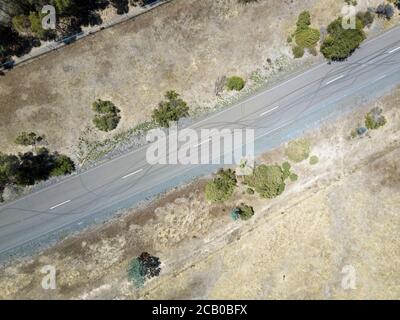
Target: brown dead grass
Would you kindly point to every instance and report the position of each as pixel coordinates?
(186, 46)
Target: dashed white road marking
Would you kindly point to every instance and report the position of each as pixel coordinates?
(336, 79)
(131, 174)
(394, 50)
(199, 144)
(268, 111)
(60, 204)
(381, 77)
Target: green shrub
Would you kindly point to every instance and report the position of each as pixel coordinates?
(286, 169)
(31, 25)
(307, 37)
(235, 83)
(142, 268)
(170, 110)
(243, 212)
(221, 187)
(298, 52)
(367, 18)
(341, 43)
(63, 165)
(107, 118)
(375, 119)
(268, 181)
(107, 122)
(28, 139)
(294, 177)
(314, 160)
(104, 107)
(298, 150)
(304, 20)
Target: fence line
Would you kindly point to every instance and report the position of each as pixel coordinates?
(60, 43)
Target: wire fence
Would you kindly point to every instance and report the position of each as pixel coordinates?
(60, 43)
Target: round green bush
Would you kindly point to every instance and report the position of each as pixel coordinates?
(314, 160)
(235, 83)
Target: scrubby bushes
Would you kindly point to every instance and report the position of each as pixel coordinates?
(298, 150)
(375, 119)
(28, 139)
(142, 268)
(341, 43)
(235, 83)
(268, 181)
(107, 117)
(298, 51)
(172, 109)
(305, 36)
(221, 187)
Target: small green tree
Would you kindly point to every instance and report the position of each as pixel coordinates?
(170, 110)
(107, 118)
(235, 83)
(341, 43)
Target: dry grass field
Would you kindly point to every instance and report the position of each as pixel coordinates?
(343, 211)
(185, 45)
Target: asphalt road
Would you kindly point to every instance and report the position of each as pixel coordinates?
(129, 179)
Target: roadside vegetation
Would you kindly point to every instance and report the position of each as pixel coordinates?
(375, 119)
(28, 168)
(341, 43)
(235, 83)
(221, 188)
(298, 150)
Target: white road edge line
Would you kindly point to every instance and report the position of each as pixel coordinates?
(131, 174)
(268, 111)
(336, 79)
(394, 50)
(276, 129)
(60, 204)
